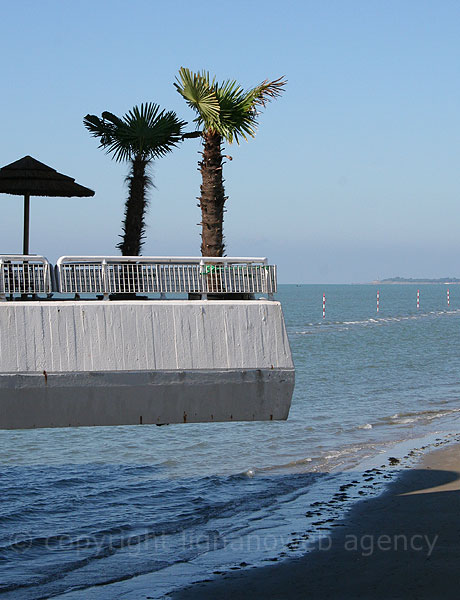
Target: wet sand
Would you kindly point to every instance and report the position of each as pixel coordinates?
(404, 544)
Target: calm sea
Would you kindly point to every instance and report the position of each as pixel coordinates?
(130, 512)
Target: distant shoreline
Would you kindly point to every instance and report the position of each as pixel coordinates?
(404, 281)
(387, 282)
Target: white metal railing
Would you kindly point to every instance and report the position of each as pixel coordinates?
(153, 274)
(24, 274)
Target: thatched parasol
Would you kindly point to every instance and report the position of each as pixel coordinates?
(29, 177)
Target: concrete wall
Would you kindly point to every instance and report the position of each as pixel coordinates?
(141, 397)
(136, 335)
(130, 362)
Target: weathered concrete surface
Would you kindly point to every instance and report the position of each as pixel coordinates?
(136, 335)
(106, 363)
(130, 398)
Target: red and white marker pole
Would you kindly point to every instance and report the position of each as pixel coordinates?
(324, 306)
(418, 299)
(378, 300)
(448, 298)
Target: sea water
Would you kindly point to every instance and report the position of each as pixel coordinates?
(132, 512)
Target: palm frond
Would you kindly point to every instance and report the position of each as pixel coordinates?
(199, 93)
(144, 131)
(226, 107)
(99, 128)
(243, 108)
(108, 116)
(269, 90)
(96, 126)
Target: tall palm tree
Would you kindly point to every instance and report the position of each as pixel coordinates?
(225, 113)
(140, 136)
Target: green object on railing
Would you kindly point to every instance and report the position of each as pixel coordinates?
(215, 268)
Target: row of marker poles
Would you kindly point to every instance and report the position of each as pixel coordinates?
(418, 299)
(378, 301)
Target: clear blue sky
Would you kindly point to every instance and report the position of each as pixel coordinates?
(354, 173)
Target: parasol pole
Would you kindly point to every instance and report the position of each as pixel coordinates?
(25, 244)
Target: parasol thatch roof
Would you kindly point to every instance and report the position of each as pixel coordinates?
(30, 176)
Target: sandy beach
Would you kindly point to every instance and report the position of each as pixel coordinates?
(404, 544)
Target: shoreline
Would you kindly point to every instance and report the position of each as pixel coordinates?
(403, 543)
(414, 283)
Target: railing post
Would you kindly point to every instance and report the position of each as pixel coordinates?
(47, 285)
(223, 276)
(105, 290)
(2, 278)
(267, 271)
(204, 280)
(55, 278)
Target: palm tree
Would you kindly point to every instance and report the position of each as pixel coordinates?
(140, 136)
(226, 113)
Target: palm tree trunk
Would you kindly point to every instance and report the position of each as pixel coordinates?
(212, 197)
(134, 225)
